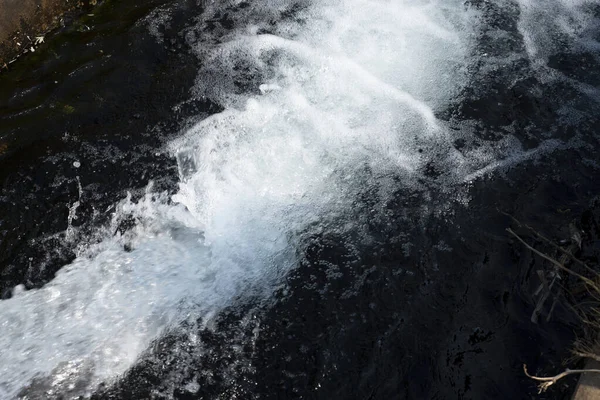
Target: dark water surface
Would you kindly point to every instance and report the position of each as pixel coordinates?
(410, 289)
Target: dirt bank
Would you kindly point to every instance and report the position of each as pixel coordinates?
(23, 23)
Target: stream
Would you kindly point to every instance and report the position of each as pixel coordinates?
(296, 199)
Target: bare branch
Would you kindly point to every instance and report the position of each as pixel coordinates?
(588, 281)
(586, 354)
(548, 381)
(559, 248)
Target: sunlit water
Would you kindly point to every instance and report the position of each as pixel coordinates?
(333, 94)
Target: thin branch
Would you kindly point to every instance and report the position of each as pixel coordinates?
(566, 252)
(542, 300)
(554, 303)
(553, 261)
(585, 354)
(559, 248)
(548, 381)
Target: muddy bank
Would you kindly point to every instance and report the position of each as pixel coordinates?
(23, 23)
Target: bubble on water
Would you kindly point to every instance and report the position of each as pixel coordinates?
(550, 26)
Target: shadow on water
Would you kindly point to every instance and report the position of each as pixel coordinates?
(447, 317)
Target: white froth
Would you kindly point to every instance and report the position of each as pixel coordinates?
(339, 90)
(551, 26)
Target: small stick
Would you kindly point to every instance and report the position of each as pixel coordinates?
(586, 354)
(542, 299)
(553, 261)
(548, 381)
(559, 248)
(552, 308)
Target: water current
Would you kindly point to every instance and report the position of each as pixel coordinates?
(326, 115)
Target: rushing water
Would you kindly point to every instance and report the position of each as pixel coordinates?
(323, 103)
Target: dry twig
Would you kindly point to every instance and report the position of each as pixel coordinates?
(567, 252)
(547, 381)
(590, 283)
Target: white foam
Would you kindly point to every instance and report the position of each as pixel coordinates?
(551, 26)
